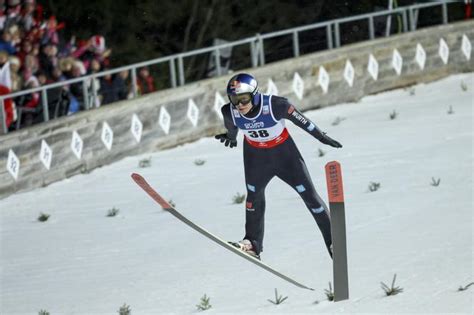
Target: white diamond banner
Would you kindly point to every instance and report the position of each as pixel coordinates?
(373, 67)
(193, 112)
(298, 86)
(164, 120)
(107, 136)
(218, 103)
(397, 62)
(136, 128)
(323, 79)
(272, 88)
(466, 47)
(420, 56)
(349, 73)
(13, 164)
(46, 154)
(443, 51)
(76, 144)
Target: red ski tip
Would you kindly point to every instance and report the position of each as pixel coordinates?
(135, 175)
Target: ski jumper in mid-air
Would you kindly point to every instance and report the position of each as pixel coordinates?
(270, 151)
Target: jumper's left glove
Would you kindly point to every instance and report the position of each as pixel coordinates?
(329, 141)
(223, 137)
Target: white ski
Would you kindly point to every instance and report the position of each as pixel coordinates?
(166, 206)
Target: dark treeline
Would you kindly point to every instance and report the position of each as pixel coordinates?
(142, 30)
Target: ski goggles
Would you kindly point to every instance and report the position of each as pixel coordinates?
(243, 99)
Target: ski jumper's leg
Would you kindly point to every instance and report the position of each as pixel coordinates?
(258, 172)
(294, 172)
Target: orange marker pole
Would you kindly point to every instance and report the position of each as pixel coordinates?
(338, 230)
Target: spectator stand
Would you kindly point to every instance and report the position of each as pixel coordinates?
(39, 56)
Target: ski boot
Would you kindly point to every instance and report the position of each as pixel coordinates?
(247, 247)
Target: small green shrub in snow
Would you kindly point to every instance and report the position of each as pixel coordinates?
(238, 198)
(199, 162)
(461, 288)
(329, 293)
(204, 304)
(435, 182)
(393, 115)
(113, 212)
(337, 121)
(374, 186)
(145, 163)
(393, 290)
(43, 217)
(125, 310)
(278, 298)
(43, 312)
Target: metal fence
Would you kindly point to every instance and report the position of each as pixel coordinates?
(331, 30)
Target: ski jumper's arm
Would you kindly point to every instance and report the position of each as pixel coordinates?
(282, 109)
(229, 139)
(232, 129)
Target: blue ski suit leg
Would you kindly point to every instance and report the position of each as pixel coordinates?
(285, 162)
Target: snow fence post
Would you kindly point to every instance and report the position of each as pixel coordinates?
(338, 230)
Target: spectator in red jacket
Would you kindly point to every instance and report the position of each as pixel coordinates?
(5, 87)
(145, 82)
(8, 106)
(467, 9)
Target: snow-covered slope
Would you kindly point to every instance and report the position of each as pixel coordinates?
(82, 262)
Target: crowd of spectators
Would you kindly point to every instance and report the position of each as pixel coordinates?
(34, 52)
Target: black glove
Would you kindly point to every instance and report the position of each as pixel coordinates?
(228, 141)
(329, 141)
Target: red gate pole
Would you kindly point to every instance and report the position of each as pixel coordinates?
(338, 230)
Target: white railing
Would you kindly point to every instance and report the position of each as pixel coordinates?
(256, 44)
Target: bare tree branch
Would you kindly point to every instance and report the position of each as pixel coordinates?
(202, 32)
(190, 23)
